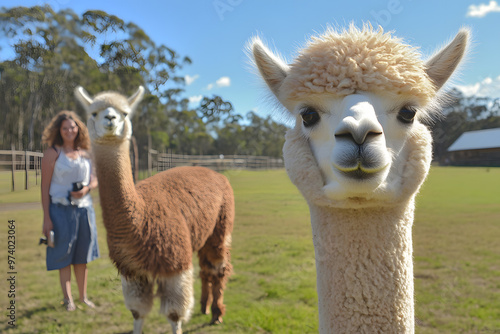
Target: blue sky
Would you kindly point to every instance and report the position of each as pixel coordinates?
(213, 33)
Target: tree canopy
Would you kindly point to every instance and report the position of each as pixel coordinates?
(56, 51)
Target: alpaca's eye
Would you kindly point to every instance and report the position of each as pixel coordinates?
(406, 115)
(309, 117)
(94, 114)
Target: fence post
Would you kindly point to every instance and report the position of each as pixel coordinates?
(135, 166)
(170, 159)
(35, 163)
(26, 167)
(13, 167)
(150, 163)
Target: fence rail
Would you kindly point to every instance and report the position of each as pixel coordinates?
(15, 160)
(163, 161)
(21, 160)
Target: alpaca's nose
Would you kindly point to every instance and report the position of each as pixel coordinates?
(357, 131)
(110, 114)
(359, 120)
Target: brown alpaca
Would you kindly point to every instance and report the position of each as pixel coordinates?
(154, 228)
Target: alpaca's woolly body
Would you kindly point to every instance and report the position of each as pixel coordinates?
(357, 60)
(156, 237)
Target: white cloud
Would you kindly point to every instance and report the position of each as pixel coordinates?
(482, 10)
(190, 79)
(221, 82)
(195, 99)
(488, 87)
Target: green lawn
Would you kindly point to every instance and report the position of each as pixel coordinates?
(457, 251)
(6, 194)
(457, 263)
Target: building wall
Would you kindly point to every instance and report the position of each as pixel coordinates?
(486, 157)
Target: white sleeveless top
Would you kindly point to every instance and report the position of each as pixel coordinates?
(66, 172)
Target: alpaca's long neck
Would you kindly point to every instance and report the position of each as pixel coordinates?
(364, 269)
(121, 207)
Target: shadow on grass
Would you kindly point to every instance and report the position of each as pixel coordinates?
(195, 329)
(189, 331)
(27, 314)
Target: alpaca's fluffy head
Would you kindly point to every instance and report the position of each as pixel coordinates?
(109, 114)
(357, 60)
(358, 97)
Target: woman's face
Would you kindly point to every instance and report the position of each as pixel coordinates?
(69, 130)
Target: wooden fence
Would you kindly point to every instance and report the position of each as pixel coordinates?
(21, 161)
(29, 162)
(163, 161)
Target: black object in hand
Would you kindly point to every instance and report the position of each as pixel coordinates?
(77, 186)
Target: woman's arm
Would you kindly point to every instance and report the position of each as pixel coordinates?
(48, 162)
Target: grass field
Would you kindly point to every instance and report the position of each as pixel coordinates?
(20, 183)
(273, 290)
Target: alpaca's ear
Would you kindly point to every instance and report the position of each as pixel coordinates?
(442, 65)
(82, 96)
(135, 99)
(271, 67)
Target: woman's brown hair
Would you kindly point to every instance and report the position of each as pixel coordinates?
(52, 133)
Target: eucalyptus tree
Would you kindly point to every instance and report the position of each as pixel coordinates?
(33, 84)
(55, 51)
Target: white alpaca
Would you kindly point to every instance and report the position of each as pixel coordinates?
(154, 228)
(359, 154)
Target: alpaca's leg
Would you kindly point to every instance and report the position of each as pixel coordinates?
(218, 307)
(215, 269)
(214, 258)
(177, 299)
(138, 295)
(206, 293)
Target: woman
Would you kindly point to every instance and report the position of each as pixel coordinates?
(67, 180)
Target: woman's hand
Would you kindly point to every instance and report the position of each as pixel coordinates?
(47, 227)
(80, 193)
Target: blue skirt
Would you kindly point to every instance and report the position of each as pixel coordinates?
(75, 236)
